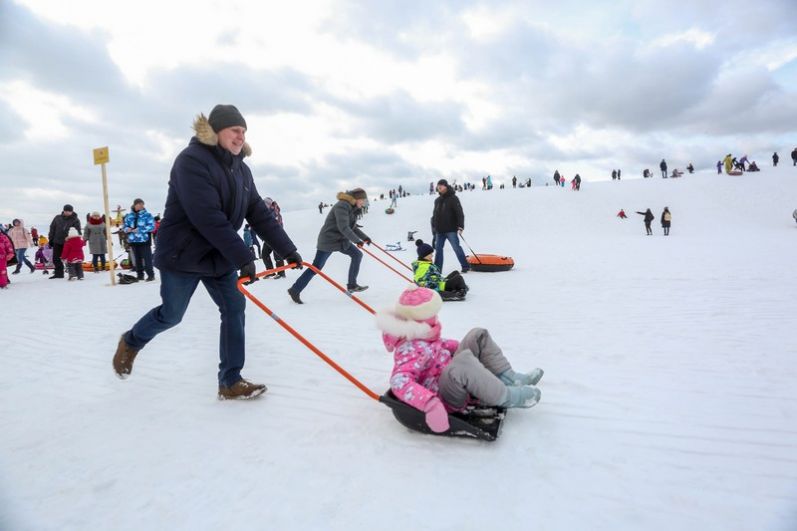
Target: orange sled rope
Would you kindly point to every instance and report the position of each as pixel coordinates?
(396, 271)
(243, 289)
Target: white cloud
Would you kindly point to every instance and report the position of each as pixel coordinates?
(43, 111)
(694, 36)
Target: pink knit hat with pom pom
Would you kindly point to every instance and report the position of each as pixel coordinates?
(418, 304)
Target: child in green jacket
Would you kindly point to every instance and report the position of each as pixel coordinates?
(426, 274)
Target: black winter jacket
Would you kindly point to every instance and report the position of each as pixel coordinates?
(447, 215)
(60, 226)
(211, 192)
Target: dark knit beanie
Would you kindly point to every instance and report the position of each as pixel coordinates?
(138, 201)
(443, 182)
(424, 249)
(358, 193)
(224, 116)
(68, 208)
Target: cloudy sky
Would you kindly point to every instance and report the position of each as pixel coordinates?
(382, 93)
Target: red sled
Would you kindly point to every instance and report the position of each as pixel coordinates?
(490, 263)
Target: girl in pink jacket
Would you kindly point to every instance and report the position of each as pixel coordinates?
(6, 254)
(437, 375)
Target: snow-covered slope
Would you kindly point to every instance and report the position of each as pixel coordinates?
(668, 401)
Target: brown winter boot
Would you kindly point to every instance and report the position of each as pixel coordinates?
(123, 359)
(241, 390)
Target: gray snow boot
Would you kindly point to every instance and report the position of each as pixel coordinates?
(521, 396)
(511, 377)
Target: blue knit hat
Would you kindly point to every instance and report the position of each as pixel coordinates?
(424, 249)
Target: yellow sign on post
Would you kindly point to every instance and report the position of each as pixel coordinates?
(101, 158)
(101, 155)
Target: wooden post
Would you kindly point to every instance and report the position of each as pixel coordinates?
(101, 157)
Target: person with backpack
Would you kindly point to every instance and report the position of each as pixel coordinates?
(666, 219)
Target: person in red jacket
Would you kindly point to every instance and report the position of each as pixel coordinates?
(73, 254)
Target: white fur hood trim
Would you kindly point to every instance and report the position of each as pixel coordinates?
(389, 323)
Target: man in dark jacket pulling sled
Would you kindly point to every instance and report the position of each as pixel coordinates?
(211, 192)
(448, 222)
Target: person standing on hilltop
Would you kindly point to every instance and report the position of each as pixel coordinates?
(775, 159)
(663, 168)
(794, 157)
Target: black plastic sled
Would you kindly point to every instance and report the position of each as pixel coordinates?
(483, 423)
(458, 295)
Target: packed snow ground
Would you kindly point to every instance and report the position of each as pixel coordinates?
(669, 399)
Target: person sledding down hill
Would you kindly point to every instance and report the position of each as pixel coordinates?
(437, 375)
(426, 274)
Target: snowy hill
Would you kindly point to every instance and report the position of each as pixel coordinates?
(668, 401)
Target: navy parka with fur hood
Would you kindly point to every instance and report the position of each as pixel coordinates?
(211, 192)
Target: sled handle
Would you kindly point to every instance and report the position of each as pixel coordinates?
(396, 271)
(242, 287)
(391, 255)
(476, 256)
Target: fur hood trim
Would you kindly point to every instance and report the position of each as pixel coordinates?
(389, 323)
(343, 196)
(208, 136)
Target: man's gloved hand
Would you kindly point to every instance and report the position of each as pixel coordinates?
(294, 258)
(249, 271)
(367, 241)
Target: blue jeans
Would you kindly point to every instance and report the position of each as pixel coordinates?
(439, 242)
(176, 291)
(96, 259)
(22, 258)
(321, 259)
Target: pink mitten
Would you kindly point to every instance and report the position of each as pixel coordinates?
(436, 415)
(451, 345)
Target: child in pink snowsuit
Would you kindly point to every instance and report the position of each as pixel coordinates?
(437, 375)
(6, 254)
